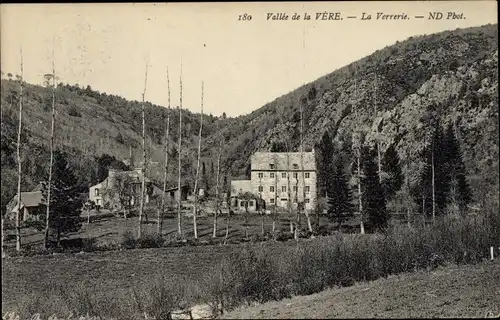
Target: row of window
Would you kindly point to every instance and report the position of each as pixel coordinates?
(285, 200)
(307, 189)
(294, 165)
(271, 201)
(307, 175)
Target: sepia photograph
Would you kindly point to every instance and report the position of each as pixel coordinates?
(250, 160)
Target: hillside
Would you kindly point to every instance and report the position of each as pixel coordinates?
(425, 294)
(457, 71)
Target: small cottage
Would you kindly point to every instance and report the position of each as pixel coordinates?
(31, 207)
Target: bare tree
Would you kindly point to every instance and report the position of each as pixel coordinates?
(49, 186)
(19, 168)
(179, 155)
(296, 198)
(259, 202)
(217, 200)
(143, 169)
(377, 140)
(275, 209)
(358, 147)
(309, 226)
(433, 183)
(165, 171)
(289, 199)
(228, 217)
(195, 207)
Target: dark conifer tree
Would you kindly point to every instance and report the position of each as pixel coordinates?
(460, 193)
(324, 164)
(374, 203)
(394, 179)
(340, 197)
(65, 202)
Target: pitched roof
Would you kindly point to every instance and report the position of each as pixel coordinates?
(285, 161)
(29, 199)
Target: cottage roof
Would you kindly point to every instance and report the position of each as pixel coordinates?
(284, 161)
(29, 199)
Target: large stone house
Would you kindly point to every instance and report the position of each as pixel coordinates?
(107, 192)
(279, 178)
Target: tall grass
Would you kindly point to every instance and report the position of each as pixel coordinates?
(259, 273)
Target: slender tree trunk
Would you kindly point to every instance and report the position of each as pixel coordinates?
(433, 186)
(360, 195)
(246, 220)
(407, 183)
(309, 226)
(58, 237)
(297, 223)
(143, 178)
(275, 211)
(88, 215)
(179, 216)
(262, 223)
(289, 195)
(195, 228)
(51, 163)
(165, 171)
(227, 225)
(3, 236)
(19, 164)
(378, 138)
(217, 187)
(423, 203)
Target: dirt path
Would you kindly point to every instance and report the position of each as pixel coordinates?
(465, 291)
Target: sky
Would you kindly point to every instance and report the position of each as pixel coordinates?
(243, 64)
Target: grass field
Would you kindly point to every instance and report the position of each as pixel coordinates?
(106, 228)
(447, 292)
(113, 272)
(117, 282)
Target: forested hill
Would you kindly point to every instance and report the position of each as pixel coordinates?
(453, 72)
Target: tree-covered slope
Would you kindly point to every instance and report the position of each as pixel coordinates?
(453, 74)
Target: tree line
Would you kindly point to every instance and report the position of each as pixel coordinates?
(441, 187)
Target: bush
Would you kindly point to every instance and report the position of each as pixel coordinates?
(73, 111)
(128, 240)
(150, 241)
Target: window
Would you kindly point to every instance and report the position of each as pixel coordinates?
(271, 189)
(283, 188)
(294, 188)
(308, 175)
(271, 200)
(307, 201)
(295, 176)
(308, 189)
(261, 175)
(97, 192)
(295, 166)
(283, 199)
(271, 165)
(261, 188)
(271, 175)
(283, 175)
(250, 203)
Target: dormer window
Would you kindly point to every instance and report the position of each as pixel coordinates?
(271, 165)
(295, 166)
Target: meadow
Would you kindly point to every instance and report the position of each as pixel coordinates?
(126, 284)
